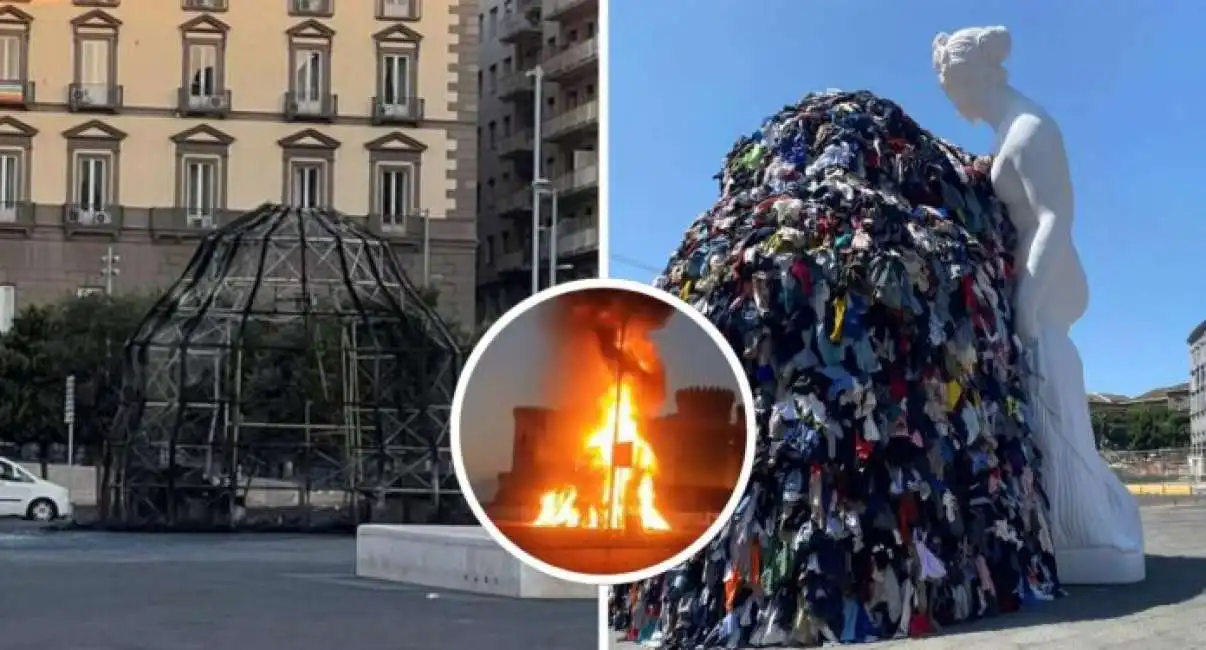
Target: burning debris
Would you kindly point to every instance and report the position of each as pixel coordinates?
(617, 378)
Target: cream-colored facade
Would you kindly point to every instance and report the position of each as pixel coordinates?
(140, 124)
(562, 38)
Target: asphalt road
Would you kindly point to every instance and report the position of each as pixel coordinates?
(115, 591)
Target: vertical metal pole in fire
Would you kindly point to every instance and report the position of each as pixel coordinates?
(614, 445)
(69, 419)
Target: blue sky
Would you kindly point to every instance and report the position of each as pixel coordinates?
(688, 78)
(515, 370)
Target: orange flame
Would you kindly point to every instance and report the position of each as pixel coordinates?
(618, 433)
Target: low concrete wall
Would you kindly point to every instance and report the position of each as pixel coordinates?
(80, 479)
(460, 558)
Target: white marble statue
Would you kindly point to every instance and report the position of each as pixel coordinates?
(1094, 519)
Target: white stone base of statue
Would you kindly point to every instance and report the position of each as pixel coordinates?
(1095, 526)
(1094, 518)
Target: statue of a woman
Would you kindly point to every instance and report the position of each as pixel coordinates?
(1093, 517)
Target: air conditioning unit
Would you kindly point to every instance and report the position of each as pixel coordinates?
(308, 5)
(101, 218)
(216, 101)
(81, 96)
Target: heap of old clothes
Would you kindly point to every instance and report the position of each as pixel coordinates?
(862, 269)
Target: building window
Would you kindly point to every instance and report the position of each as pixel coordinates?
(8, 307)
(307, 184)
(203, 75)
(395, 78)
(394, 162)
(397, 75)
(12, 175)
(96, 54)
(14, 56)
(12, 67)
(203, 69)
(394, 193)
(309, 167)
(200, 185)
(93, 187)
(309, 79)
(94, 163)
(95, 83)
(310, 72)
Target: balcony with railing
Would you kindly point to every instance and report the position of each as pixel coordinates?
(398, 9)
(516, 145)
(103, 97)
(94, 219)
(515, 204)
(393, 225)
(187, 223)
(514, 261)
(569, 10)
(192, 103)
(585, 179)
(17, 216)
(303, 107)
(521, 24)
(577, 60)
(15, 93)
(576, 122)
(582, 240)
(516, 86)
(404, 110)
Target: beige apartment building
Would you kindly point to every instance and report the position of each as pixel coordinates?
(561, 36)
(138, 125)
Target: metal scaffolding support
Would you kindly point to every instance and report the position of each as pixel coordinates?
(292, 377)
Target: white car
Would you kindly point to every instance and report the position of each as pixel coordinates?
(23, 494)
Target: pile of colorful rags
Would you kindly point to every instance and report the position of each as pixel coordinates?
(862, 269)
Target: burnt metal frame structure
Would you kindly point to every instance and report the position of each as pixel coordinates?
(183, 441)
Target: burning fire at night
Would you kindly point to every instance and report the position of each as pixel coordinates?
(617, 488)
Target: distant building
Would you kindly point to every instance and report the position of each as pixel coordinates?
(1175, 398)
(1197, 400)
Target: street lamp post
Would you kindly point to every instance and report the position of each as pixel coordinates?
(542, 187)
(537, 75)
(426, 217)
(110, 270)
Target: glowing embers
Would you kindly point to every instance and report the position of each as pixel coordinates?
(622, 465)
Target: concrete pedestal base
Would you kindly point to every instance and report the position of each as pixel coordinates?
(1100, 566)
(461, 558)
(598, 552)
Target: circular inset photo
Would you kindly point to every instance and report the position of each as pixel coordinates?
(603, 431)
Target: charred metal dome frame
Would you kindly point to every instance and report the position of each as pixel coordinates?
(293, 377)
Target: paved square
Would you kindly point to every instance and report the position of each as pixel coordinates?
(1167, 612)
(116, 591)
